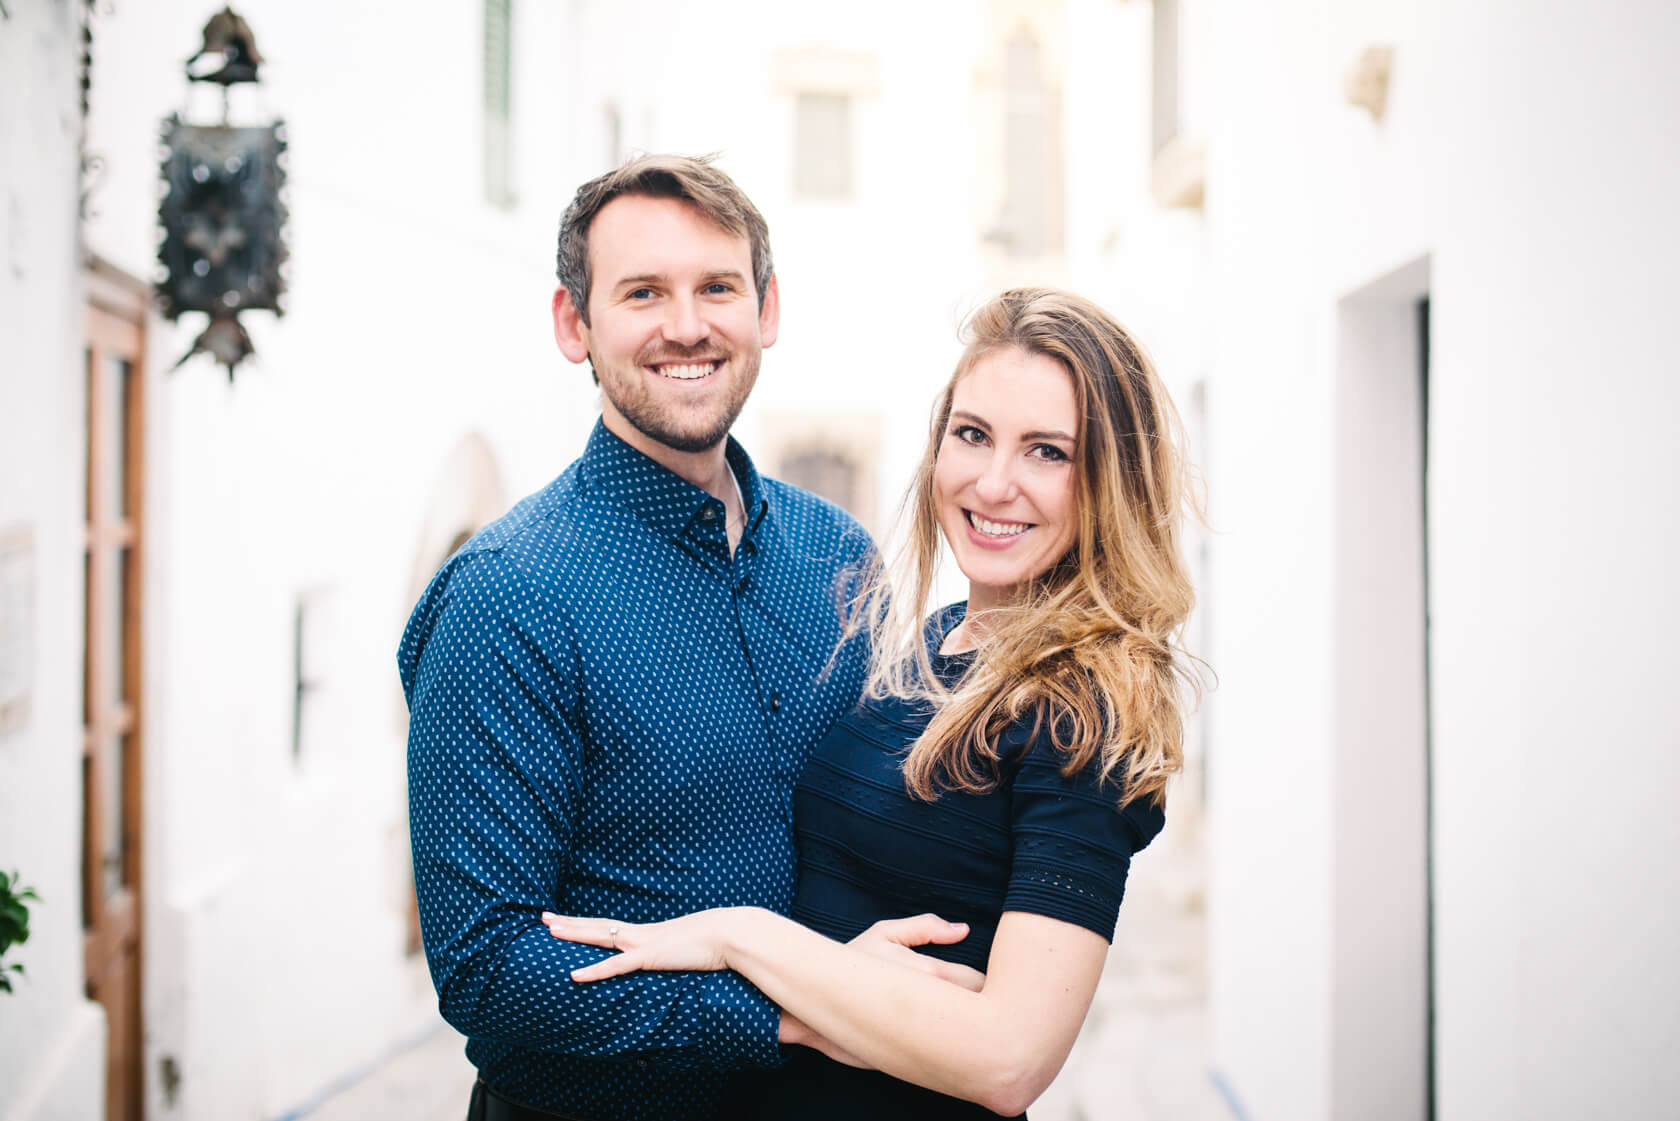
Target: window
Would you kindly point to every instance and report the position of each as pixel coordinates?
(615, 134)
(1031, 222)
(1164, 75)
(1178, 174)
(822, 146)
(498, 102)
(826, 473)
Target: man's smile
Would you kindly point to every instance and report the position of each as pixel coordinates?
(689, 370)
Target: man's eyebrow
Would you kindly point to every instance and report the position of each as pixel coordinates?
(658, 278)
(1044, 434)
(640, 279)
(735, 275)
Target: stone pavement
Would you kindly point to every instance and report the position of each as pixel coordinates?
(1142, 1055)
(429, 1082)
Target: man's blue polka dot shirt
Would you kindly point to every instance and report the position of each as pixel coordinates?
(608, 713)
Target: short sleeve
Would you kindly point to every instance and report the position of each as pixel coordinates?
(1073, 844)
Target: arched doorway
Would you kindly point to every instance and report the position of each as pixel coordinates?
(467, 495)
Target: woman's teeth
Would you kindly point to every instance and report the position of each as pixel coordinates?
(997, 529)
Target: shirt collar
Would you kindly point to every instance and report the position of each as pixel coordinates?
(659, 496)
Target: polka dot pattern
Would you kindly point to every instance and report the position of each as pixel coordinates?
(608, 713)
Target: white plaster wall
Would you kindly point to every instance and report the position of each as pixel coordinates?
(51, 1038)
(1521, 154)
(1599, 1017)
(417, 315)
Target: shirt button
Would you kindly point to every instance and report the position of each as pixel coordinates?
(708, 514)
(775, 702)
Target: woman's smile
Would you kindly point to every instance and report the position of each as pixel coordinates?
(1003, 482)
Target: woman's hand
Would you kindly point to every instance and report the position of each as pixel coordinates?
(895, 939)
(794, 1030)
(698, 941)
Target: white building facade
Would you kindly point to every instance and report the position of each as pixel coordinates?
(1442, 473)
(51, 1036)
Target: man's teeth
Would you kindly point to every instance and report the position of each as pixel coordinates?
(688, 371)
(998, 529)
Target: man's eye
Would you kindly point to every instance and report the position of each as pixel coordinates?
(640, 294)
(718, 288)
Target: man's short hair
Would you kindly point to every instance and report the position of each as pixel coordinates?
(691, 179)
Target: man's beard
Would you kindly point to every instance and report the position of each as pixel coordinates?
(662, 424)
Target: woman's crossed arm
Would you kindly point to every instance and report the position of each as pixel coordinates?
(999, 1047)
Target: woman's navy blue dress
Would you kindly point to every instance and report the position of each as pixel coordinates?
(1038, 842)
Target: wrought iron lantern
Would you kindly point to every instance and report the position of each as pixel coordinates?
(223, 219)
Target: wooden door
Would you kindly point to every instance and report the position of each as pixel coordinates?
(112, 738)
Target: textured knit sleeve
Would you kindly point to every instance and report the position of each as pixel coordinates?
(1072, 844)
(495, 766)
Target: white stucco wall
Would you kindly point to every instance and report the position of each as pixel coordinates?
(51, 1038)
(1520, 157)
(417, 316)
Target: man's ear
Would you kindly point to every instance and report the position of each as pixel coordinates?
(570, 331)
(770, 315)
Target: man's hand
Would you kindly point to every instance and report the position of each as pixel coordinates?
(894, 939)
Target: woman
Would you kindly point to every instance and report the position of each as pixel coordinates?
(1009, 755)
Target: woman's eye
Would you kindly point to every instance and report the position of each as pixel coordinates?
(1050, 453)
(968, 434)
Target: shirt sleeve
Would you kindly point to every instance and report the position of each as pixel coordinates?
(1073, 845)
(495, 771)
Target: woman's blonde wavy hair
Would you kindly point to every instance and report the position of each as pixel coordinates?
(1091, 649)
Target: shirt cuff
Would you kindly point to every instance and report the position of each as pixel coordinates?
(741, 1024)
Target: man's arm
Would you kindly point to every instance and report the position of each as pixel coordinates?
(496, 773)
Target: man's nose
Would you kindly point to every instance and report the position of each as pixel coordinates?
(684, 324)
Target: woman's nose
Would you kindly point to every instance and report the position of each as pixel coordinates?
(997, 482)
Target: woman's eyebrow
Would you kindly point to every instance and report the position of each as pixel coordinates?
(1042, 434)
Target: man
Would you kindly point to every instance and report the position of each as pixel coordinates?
(613, 687)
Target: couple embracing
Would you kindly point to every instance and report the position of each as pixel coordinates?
(714, 813)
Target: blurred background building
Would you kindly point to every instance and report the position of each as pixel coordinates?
(1406, 267)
